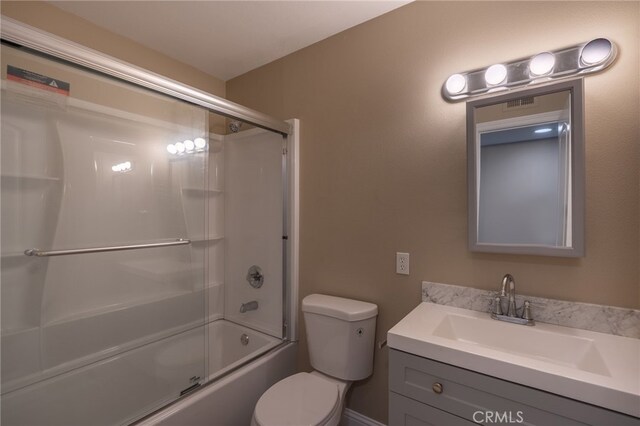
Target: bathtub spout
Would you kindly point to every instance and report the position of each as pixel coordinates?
(249, 306)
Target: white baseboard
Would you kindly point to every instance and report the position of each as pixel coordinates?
(353, 418)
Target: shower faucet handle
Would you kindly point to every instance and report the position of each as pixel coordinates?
(255, 278)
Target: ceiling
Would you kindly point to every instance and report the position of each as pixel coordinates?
(227, 38)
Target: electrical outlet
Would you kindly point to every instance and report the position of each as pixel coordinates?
(402, 263)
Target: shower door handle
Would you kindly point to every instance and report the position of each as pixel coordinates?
(44, 253)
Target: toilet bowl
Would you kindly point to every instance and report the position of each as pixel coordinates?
(302, 399)
(340, 337)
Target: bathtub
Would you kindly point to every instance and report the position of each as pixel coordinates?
(230, 400)
(123, 388)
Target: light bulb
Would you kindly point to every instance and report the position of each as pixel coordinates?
(127, 165)
(542, 64)
(596, 51)
(495, 74)
(180, 147)
(456, 83)
(200, 143)
(189, 145)
(172, 149)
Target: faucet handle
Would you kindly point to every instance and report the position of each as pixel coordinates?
(526, 310)
(498, 305)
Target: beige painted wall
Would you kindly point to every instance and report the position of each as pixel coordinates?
(56, 21)
(64, 24)
(383, 157)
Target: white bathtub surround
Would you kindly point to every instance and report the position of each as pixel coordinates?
(230, 400)
(353, 418)
(161, 368)
(604, 319)
(253, 227)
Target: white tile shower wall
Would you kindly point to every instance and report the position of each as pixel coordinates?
(586, 316)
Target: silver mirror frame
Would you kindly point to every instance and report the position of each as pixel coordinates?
(576, 89)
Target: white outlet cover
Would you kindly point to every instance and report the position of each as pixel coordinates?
(402, 263)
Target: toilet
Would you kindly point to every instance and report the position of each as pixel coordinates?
(340, 339)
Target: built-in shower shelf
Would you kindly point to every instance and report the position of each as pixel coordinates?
(209, 240)
(203, 191)
(29, 177)
(9, 253)
(21, 329)
(163, 269)
(215, 285)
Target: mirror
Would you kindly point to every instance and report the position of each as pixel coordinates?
(526, 172)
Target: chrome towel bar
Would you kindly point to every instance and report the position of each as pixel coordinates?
(44, 253)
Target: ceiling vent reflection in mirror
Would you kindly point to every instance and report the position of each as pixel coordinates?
(589, 57)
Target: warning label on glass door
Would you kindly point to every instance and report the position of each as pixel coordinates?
(39, 81)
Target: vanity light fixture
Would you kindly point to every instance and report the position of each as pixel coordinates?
(585, 58)
(456, 83)
(495, 75)
(596, 52)
(542, 64)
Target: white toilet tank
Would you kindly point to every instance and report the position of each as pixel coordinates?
(340, 335)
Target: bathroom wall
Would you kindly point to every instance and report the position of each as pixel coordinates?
(383, 157)
(49, 18)
(56, 21)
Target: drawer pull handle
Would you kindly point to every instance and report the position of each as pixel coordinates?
(437, 387)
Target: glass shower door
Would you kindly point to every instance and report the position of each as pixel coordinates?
(103, 299)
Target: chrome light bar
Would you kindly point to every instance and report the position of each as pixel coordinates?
(589, 57)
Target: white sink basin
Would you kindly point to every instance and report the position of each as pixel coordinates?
(597, 368)
(570, 351)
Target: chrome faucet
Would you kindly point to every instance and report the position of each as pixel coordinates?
(510, 293)
(249, 306)
(508, 290)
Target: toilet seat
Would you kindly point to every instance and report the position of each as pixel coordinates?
(301, 399)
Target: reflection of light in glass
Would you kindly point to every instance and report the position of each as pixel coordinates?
(200, 143)
(122, 167)
(495, 74)
(543, 130)
(172, 149)
(456, 83)
(180, 147)
(189, 145)
(542, 64)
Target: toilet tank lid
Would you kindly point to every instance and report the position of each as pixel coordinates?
(339, 307)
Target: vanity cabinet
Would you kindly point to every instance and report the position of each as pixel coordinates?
(427, 392)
